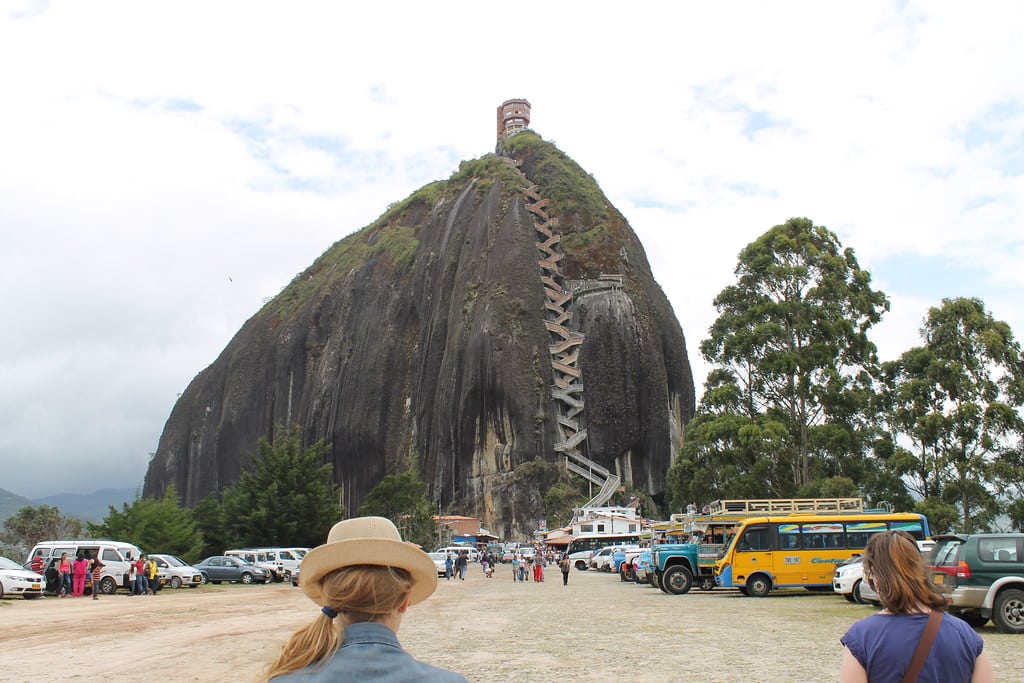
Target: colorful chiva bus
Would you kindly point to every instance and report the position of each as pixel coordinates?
(802, 550)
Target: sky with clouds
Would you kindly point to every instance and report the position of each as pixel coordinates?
(166, 167)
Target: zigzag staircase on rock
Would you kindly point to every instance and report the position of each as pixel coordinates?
(564, 350)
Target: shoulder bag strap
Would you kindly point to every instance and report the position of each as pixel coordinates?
(924, 646)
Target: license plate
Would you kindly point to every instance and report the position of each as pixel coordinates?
(939, 578)
(35, 586)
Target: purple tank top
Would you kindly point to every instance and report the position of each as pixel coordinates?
(884, 645)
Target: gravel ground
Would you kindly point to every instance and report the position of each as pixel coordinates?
(594, 629)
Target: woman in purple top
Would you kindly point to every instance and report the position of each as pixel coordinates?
(880, 647)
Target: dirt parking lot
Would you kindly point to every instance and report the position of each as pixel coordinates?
(594, 629)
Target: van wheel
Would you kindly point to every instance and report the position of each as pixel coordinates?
(759, 586)
(107, 585)
(678, 580)
(1008, 611)
(175, 582)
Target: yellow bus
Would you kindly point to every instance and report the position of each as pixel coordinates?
(802, 549)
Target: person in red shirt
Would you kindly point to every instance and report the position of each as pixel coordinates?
(141, 584)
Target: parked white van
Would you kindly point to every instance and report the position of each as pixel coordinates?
(474, 553)
(288, 558)
(261, 559)
(115, 556)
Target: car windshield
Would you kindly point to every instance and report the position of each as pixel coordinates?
(172, 561)
(8, 564)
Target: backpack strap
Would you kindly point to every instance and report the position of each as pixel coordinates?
(931, 629)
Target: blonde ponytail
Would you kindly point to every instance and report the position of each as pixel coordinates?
(357, 593)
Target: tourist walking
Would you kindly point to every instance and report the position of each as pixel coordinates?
(363, 579)
(564, 566)
(449, 566)
(911, 638)
(461, 563)
(515, 568)
(538, 568)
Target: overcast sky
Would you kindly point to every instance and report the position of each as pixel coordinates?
(165, 167)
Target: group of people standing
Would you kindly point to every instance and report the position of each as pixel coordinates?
(143, 575)
(525, 565)
(456, 565)
(72, 574)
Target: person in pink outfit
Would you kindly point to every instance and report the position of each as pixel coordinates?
(79, 568)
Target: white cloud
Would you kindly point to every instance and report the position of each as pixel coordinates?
(164, 169)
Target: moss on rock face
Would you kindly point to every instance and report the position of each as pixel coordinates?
(592, 229)
(423, 333)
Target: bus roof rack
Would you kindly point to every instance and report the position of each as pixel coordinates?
(771, 505)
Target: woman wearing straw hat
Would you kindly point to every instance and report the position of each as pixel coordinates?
(364, 578)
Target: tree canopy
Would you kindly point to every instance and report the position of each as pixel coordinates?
(954, 407)
(155, 525)
(402, 498)
(789, 401)
(286, 498)
(34, 523)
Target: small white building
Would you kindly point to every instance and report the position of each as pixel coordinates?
(606, 520)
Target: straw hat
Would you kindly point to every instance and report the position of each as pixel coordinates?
(367, 540)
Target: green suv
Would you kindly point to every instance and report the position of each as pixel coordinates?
(984, 576)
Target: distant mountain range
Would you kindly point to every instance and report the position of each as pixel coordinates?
(89, 507)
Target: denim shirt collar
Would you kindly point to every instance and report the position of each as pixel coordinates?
(369, 632)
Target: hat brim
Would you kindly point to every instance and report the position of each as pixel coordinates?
(381, 552)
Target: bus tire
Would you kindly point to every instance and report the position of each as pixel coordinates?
(659, 581)
(758, 586)
(707, 583)
(678, 580)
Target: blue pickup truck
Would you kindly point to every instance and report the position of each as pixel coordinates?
(677, 566)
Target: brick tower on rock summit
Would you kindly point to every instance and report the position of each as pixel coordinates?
(513, 116)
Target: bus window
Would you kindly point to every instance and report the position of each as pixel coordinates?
(858, 533)
(754, 538)
(915, 529)
(789, 536)
(827, 536)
